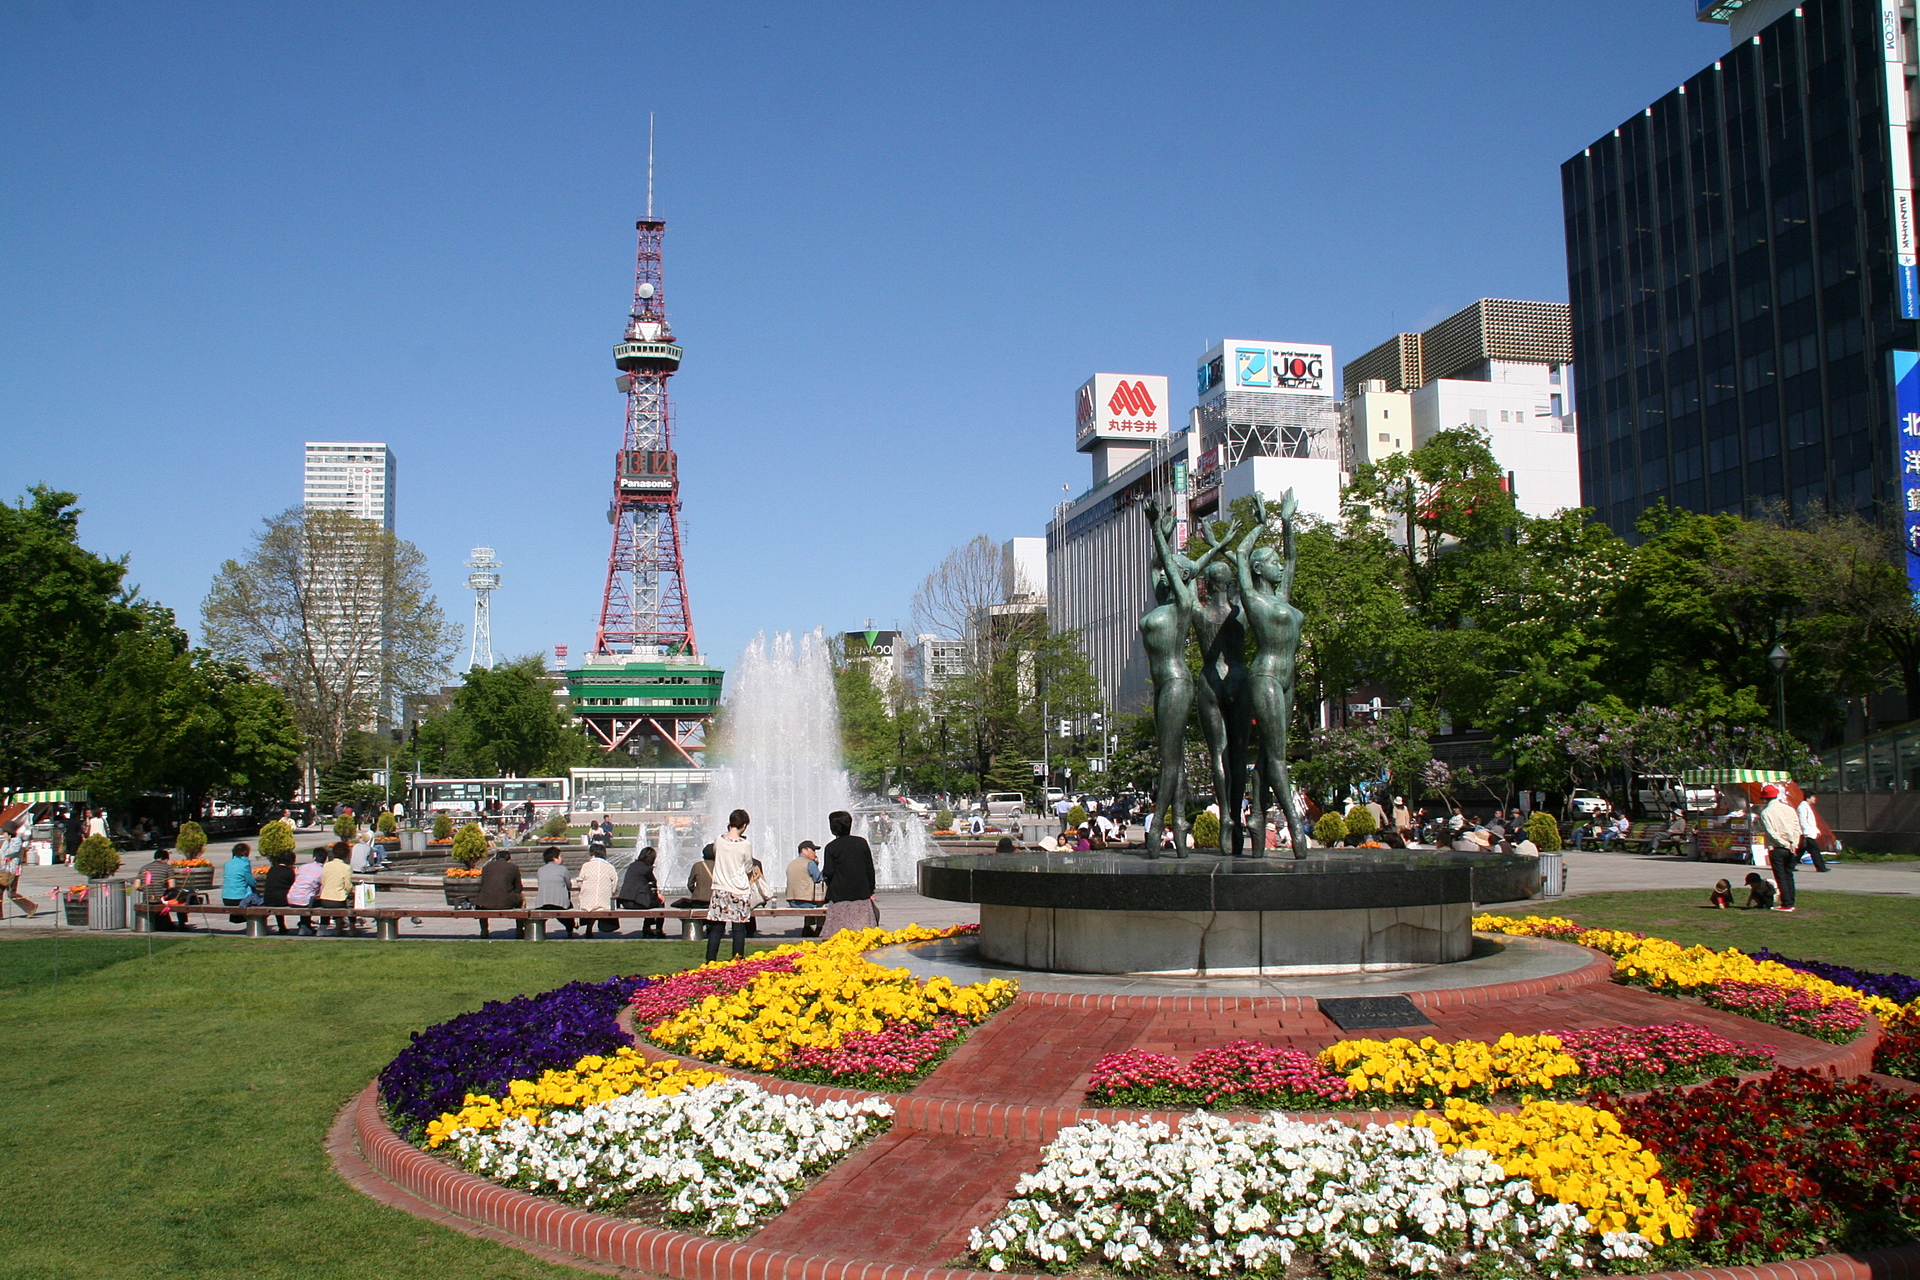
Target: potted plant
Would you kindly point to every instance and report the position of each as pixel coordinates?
(389, 831)
(276, 840)
(442, 828)
(74, 900)
(1360, 824)
(1330, 830)
(96, 858)
(191, 870)
(346, 827)
(469, 850)
(554, 830)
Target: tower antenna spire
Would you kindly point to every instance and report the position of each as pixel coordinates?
(649, 164)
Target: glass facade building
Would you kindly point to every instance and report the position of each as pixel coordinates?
(1732, 272)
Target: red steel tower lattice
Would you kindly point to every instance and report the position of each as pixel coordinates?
(644, 610)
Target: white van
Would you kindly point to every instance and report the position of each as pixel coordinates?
(1005, 804)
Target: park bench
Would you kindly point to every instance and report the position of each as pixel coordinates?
(531, 924)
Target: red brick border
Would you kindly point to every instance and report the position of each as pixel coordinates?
(435, 1190)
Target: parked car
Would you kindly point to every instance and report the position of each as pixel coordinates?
(1589, 804)
(913, 805)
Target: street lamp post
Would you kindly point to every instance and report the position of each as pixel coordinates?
(1777, 659)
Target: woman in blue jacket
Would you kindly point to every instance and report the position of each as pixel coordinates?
(237, 888)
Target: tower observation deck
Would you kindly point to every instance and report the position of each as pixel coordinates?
(644, 679)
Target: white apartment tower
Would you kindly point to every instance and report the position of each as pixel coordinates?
(356, 478)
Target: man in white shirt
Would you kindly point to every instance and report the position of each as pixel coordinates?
(1810, 832)
(1782, 826)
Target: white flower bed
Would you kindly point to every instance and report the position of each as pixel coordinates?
(725, 1156)
(1216, 1198)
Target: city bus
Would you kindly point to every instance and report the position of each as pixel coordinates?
(505, 796)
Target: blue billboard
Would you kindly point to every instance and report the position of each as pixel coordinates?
(1906, 416)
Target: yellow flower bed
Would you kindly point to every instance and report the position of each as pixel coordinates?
(1666, 966)
(595, 1078)
(1430, 1069)
(1579, 1156)
(833, 991)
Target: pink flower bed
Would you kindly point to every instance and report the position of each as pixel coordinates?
(661, 998)
(1244, 1073)
(871, 1059)
(1629, 1059)
(1788, 1007)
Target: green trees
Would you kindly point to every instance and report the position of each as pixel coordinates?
(500, 721)
(99, 689)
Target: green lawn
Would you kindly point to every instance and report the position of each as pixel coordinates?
(165, 1116)
(1864, 930)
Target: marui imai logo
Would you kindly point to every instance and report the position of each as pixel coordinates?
(1132, 408)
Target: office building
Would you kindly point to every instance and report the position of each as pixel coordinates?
(1267, 420)
(1501, 366)
(933, 663)
(1740, 267)
(355, 478)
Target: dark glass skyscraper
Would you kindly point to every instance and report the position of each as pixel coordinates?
(1735, 281)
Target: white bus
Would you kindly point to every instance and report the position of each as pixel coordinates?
(507, 797)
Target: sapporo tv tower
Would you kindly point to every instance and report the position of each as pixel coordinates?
(645, 682)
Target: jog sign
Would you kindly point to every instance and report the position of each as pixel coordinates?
(1120, 406)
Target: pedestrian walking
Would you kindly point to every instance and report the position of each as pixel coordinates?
(1810, 832)
(597, 882)
(12, 858)
(1782, 826)
(847, 867)
(805, 888)
(733, 875)
(552, 891)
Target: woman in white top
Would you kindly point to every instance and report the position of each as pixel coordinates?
(733, 877)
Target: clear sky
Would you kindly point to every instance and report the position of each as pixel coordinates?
(899, 237)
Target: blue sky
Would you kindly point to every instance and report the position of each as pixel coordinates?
(899, 237)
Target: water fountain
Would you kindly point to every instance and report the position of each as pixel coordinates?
(784, 766)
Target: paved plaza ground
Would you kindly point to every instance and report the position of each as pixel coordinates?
(1586, 873)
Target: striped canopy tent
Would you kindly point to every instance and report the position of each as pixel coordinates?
(45, 797)
(1732, 777)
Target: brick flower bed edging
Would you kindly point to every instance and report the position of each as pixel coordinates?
(561, 1233)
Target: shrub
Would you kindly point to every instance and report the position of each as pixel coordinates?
(276, 839)
(96, 858)
(1360, 821)
(943, 820)
(470, 845)
(1331, 829)
(346, 827)
(388, 824)
(192, 840)
(555, 827)
(1543, 830)
(1206, 830)
(1076, 816)
(443, 826)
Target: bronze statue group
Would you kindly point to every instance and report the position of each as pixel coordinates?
(1244, 705)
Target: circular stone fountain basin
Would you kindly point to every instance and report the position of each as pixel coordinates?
(1334, 911)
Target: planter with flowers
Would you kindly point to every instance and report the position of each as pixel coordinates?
(463, 881)
(553, 830)
(192, 870)
(442, 831)
(388, 836)
(73, 900)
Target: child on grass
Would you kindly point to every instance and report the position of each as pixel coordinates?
(1759, 892)
(1722, 894)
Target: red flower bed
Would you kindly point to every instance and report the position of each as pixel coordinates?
(1791, 1166)
(1899, 1055)
(664, 997)
(879, 1059)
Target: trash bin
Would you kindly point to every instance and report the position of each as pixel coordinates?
(107, 904)
(1553, 875)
